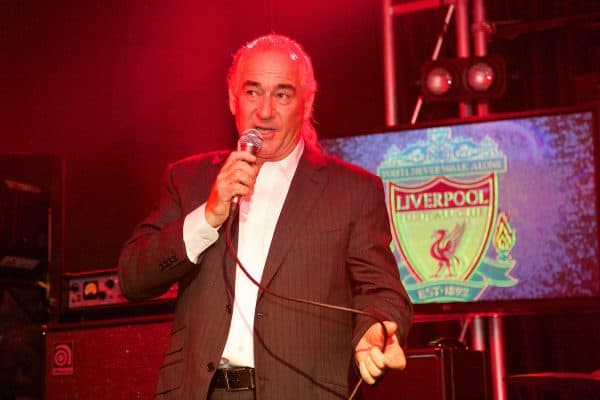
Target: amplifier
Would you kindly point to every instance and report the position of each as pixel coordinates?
(109, 359)
(120, 359)
(97, 293)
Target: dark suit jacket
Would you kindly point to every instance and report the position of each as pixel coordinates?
(331, 244)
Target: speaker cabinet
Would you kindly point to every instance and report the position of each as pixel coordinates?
(21, 346)
(109, 359)
(435, 374)
(120, 359)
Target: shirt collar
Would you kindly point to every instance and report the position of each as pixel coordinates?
(289, 164)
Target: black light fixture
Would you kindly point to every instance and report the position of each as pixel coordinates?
(463, 79)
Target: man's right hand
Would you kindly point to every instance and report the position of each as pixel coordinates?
(236, 178)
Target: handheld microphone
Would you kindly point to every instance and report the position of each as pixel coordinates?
(249, 141)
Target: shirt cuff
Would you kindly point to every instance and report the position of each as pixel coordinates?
(198, 235)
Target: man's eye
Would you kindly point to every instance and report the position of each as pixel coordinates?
(251, 92)
(283, 97)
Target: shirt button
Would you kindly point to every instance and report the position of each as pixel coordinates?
(210, 367)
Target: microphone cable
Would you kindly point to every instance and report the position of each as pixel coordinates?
(232, 251)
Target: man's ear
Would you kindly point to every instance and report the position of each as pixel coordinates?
(232, 102)
(308, 104)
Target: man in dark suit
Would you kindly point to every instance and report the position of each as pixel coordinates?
(309, 226)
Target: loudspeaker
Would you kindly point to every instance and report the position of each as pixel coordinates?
(21, 346)
(116, 359)
(120, 360)
(435, 374)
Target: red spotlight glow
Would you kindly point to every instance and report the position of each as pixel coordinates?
(439, 81)
(463, 79)
(480, 76)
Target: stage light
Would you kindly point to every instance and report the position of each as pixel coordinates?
(439, 81)
(480, 76)
(463, 79)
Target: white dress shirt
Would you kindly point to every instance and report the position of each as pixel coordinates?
(259, 213)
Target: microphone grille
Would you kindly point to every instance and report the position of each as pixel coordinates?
(251, 140)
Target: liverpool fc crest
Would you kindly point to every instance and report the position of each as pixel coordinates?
(443, 205)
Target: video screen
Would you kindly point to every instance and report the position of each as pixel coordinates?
(494, 210)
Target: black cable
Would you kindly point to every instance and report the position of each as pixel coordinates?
(232, 214)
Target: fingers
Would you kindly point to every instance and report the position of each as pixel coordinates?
(390, 327)
(376, 363)
(236, 178)
(238, 175)
(372, 366)
(371, 361)
(394, 356)
(242, 156)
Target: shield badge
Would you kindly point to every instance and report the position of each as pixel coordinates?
(442, 228)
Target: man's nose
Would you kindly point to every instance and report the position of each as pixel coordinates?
(265, 108)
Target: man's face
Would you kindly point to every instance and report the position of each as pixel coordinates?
(267, 95)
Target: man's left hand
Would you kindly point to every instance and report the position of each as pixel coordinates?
(372, 362)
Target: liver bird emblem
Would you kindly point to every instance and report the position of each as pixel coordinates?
(444, 247)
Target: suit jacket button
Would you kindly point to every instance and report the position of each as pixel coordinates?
(228, 308)
(210, 367)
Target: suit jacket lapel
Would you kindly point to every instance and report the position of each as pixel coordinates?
(305, 189)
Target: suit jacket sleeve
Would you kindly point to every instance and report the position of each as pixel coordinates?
(154, 257)
(376, 283)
